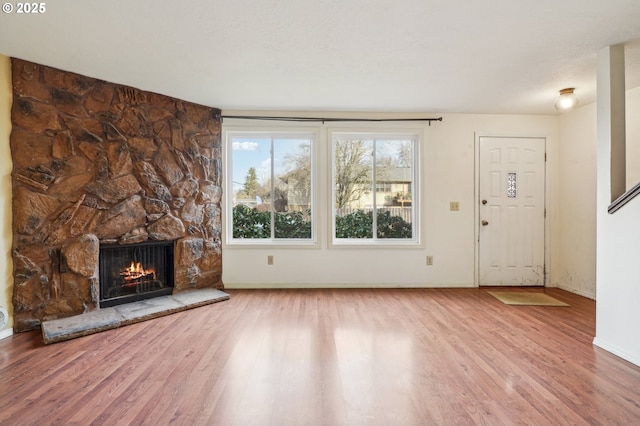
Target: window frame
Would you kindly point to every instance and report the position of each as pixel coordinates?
(231, 132)
(375, 133)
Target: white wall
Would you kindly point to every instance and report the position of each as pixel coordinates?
(633, 137)
(448, 174)
(618, 253)
(576, 202)
(6, 268)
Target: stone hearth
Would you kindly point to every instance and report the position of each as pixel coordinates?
(100, 163)
(99, 320)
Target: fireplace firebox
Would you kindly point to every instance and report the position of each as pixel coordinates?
(134, 272)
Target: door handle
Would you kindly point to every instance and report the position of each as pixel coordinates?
(484, 201)
(485, 223)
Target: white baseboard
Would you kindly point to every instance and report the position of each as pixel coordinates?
(617, 351)
(588, 295)
(6, 333)
(245, 286)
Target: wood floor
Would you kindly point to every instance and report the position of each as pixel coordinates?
(329, 357)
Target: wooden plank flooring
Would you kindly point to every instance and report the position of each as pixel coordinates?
(329, 357)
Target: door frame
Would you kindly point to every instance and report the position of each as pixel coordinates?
(476, 198)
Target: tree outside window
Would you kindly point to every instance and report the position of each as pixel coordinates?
(373, 180)
(271, 188)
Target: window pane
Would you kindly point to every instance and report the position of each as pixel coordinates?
(271, 187)
(292, 188)
(251, 168)
(354, 192)
(394, 160)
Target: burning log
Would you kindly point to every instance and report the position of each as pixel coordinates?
(135, 275)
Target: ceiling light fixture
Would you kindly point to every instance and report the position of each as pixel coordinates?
(566, 100)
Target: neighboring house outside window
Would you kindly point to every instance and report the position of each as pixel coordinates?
(371, 189)
(374, 181)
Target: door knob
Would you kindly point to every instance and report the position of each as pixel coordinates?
(484, 201)
(485, 223)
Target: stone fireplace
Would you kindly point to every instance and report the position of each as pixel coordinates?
(101, 165)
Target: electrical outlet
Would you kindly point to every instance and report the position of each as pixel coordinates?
(454, 206)
(270, 260)
(429, 260)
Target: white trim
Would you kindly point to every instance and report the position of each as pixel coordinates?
(6, 333)
(283, 286)
(588, 295)
(616, 351)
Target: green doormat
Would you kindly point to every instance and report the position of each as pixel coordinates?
(526, 298)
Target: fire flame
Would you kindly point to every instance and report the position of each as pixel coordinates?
(136, 271)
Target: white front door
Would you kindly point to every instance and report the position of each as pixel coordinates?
(511, 211)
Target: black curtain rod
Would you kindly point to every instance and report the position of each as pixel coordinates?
(325, 120)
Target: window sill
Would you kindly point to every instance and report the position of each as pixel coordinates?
(375, 245)
(271, 244)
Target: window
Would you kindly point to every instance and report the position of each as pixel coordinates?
(270, 187)
(374, 188)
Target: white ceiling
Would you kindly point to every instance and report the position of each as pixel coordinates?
(464, 56)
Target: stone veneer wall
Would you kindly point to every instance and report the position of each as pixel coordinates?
(96, 162)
